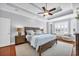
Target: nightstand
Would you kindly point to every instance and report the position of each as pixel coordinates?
(20, 39)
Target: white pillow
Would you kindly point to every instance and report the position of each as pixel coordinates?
(38, 32)
(30, 32)
(29, 37)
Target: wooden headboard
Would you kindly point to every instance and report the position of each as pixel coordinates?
(30, 28)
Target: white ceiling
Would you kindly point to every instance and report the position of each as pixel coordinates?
(37, 7)
(34, 8)
(54, 5)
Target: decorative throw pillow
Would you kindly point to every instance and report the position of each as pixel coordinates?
(38, 32)
(30, 32)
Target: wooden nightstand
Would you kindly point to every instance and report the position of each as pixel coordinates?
(20, 39)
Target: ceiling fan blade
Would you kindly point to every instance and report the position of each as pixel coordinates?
(50, 14)
(44, 8)
(52, 9)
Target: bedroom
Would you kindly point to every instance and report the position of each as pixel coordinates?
(24, 16)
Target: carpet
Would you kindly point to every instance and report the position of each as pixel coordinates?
(59, 49)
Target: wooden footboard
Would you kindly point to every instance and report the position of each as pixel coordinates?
(46, 46)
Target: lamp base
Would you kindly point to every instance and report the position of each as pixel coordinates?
(19, 33)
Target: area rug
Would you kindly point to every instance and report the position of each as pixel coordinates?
(59, 49)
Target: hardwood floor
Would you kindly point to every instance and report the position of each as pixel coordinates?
(8, 51)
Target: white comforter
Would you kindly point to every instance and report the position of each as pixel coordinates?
(38, 40)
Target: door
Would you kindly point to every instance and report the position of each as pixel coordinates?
(4, 32)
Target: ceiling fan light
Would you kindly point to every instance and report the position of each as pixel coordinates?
(46, 13)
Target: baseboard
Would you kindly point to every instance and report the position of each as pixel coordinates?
(20, 43)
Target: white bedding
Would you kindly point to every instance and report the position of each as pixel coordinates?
(37, 40)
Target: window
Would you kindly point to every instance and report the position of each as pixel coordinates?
(61, 27)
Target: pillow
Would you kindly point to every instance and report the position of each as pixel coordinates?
(29, 37)
(38, 32)
(30, 32)
(67, 35)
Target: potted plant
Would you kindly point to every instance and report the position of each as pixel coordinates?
(77, 17)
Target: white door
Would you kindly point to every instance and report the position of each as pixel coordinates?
(4, 32)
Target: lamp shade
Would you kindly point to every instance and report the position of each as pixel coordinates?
(19, 29)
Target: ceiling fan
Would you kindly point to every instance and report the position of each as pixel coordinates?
(47, 12)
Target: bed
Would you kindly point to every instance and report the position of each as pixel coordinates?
(38, 40)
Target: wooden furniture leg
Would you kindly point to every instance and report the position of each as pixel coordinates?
(39, 51)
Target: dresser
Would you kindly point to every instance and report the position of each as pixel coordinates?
(20, 39)
(77, 43)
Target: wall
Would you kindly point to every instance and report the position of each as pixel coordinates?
(50, 27)
(4, 23)
(18, 20)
